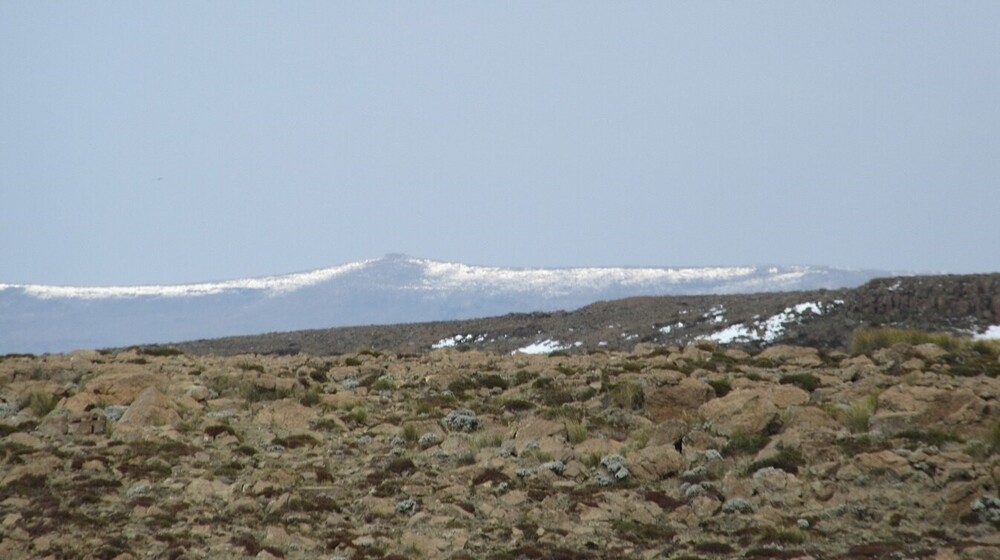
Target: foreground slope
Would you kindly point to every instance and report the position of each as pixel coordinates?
(684, 452)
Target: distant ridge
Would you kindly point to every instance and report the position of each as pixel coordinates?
(392, 289)
(825, 319)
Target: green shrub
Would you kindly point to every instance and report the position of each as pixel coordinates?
(989, 348)
(742, 443)
(627, 395)
(567, 370)
(492, 381)
(410, 434)
(644, 534)
(788, 459)
(972, 364)
(864, 443)
(383, 384)
(542, 383)
(517, 405)
(296, 440)
(633, 366)
(857, 416)
(722, 387)
(805, 381)
(252, 393)
(250, 366)
(42, 403)
(523, 376)
(929, 437)
(782, 535)
(310, 398)
(576, 432)
(988, 445)
(868, 339)
(358, 416)
(555, 397)
(459, 387)
(159, 351)
(640, 437)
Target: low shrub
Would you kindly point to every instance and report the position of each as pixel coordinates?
(857, 416)
(250, 366)
(805, 381)
(868, 339)
(928, 437)
(788, 459)
(722, 387)
(576, 432)
(627, 395)
(42, 403)
(492, 381)
(742, 443)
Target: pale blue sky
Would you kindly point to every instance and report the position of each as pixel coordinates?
(170, 142)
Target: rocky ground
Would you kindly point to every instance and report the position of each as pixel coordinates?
(700, 451)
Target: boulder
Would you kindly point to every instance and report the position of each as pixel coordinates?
(669, 432)
(547, 435)
(747, 411)
(929, 406)
(150, 408)
(883, 462)
(674, 401)
(794, 355)
(656, 462)
(286, 416)
(121, 388)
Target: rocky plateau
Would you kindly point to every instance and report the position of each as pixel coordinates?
(701, 451)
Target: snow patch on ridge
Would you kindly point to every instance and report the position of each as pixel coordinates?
(444, 276)
(767, 330)
(453, 341)
(561, 280)
(273, 284)
(546, 346)
(991, 333)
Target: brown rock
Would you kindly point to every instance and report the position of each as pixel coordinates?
(674, 401)
(747, 411)
(285, 416)
(931, 405)
(884, 462)
(121, 388)
(150, 408)
(655, 462)
(794, 355)
(548, 435)
(669, 432)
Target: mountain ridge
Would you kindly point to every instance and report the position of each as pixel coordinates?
(388, 290)
(827, 319)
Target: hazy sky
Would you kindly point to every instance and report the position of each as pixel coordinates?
(170, 142)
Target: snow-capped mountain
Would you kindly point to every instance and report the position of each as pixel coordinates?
(392, 289)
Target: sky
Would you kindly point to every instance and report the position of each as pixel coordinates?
(188, 141)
